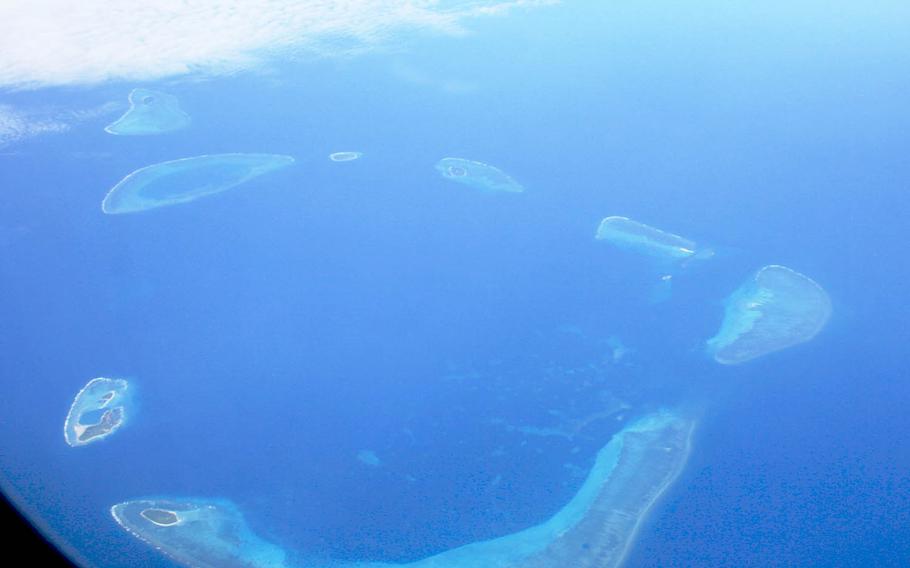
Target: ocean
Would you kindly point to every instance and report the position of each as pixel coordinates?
(368, 362)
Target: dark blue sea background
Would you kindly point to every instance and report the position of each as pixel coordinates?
(274, 331)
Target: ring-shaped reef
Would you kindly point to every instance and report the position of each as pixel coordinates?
(198, 532)
(774, 309)
(345, 156)
(187, 179)
(98, 411)
(151, 112)
(478, 175)
(627, 234)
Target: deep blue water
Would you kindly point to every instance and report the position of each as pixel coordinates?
(275, 330)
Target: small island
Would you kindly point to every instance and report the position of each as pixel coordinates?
(161, 517)
(98, 411)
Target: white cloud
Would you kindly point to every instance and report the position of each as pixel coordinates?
(18, 124)
(62, 42)
(15, 125)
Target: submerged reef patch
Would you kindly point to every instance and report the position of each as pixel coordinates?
(775, 309)
(368, 457)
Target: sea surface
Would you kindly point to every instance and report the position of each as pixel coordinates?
(375, 363)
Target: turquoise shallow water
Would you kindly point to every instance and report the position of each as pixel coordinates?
(376, 362)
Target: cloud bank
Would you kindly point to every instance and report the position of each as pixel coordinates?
(52, 43)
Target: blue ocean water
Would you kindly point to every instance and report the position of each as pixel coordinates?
(275, 331)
